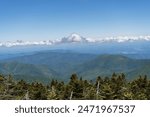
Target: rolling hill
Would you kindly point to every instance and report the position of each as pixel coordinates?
(47, 65)
(105, 65)
(28, 72)
(60, 61)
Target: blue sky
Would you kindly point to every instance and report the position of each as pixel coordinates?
(53, 19)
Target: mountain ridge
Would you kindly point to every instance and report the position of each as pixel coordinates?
(105, 65)
(56, 65)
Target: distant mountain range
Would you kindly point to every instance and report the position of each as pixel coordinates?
(60, 63)
(89, 58)
(47, 65)
(75, 38)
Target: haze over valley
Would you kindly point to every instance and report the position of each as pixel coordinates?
(45, 62)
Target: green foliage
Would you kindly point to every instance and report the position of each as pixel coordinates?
(115, 87)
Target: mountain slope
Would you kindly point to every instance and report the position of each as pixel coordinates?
(47, 65)
(29, 72)
(62, 62)
(105, 65)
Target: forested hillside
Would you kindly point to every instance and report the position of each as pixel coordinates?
(45, 66)
(115, 87)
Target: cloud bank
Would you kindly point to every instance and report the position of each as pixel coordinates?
(75, 38)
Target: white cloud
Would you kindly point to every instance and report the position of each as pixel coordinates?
(75, 38)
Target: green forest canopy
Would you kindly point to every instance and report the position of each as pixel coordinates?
(115, 87)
